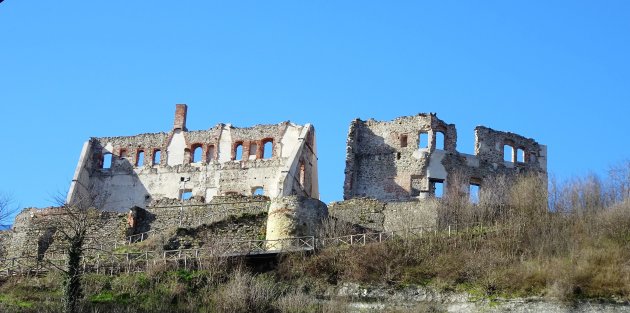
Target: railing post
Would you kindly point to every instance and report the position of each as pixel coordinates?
(449, 230)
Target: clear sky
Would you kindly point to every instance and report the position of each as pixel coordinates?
(556, 71)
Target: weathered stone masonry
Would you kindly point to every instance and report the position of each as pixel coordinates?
(123, 172)
(402, 160)
(230, 183)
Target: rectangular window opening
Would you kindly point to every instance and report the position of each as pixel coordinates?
(437, 186)
(507, 153)
(185, 194)
(473, 191)
(423, 140)
(403, 141)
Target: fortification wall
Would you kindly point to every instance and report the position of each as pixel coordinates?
(37, 233)
(294, 216)
(169, 214)
(5, 237)
(379, 216)
(413, 157)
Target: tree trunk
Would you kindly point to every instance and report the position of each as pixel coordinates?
(72, 285)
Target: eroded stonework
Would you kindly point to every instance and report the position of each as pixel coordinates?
(124, 172)
(409, 157)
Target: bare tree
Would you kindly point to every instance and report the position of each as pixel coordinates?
(73, 224)
(6, 210)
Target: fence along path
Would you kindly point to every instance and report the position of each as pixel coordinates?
(109, 262)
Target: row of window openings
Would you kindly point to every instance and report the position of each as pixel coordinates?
(107, 158)
(423, 140)
(473, 191)
(508, 154)
(196, 156)
(267, 150)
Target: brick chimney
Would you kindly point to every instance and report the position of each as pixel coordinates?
(180, 117)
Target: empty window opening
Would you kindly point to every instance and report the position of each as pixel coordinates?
(210, 156)
(268, 150)
(140, 158)
(107, 160)
(437, 186)
(252, 150)
(439, 140)
(197, 152)
(238, 152)
(423, 140)
(473, 192)
(123, 153)
(520, 155)
(403, 141)
(185, 194)
(258, 191)
(302, 173)
(507, 153)
(157, 157)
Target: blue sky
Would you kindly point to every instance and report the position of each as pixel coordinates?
(556, 71)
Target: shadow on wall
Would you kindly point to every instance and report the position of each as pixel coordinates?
(375, 168)
(117, 175)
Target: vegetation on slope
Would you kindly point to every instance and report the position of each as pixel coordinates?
(511, 244)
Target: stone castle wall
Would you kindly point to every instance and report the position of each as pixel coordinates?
(133, 171)
(409, 157)
(379, 216)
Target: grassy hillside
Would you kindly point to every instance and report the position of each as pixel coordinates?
(572, 243)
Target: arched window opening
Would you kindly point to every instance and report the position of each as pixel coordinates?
(258, 191)
(123, 153)
(157, 157)
(197, 152)
(238, 151)
(268, 150)
(507, 153)
(423, 140)
(252, 151)
(107, 161)
(520, 155)
(439, 140)
(210, 155)
(140, 158)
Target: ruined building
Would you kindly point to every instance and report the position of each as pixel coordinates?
(395, 170)
(132, 171)
(229, 183)
(413, 156)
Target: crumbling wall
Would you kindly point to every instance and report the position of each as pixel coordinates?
(204, 163)
(379, 216)
(5, 237)
(35, 234)
(294, 216)
(387, 160)
(169, 214)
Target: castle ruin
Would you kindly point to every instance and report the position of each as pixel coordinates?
(124, 172)
(409, 157)
(261, 182)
